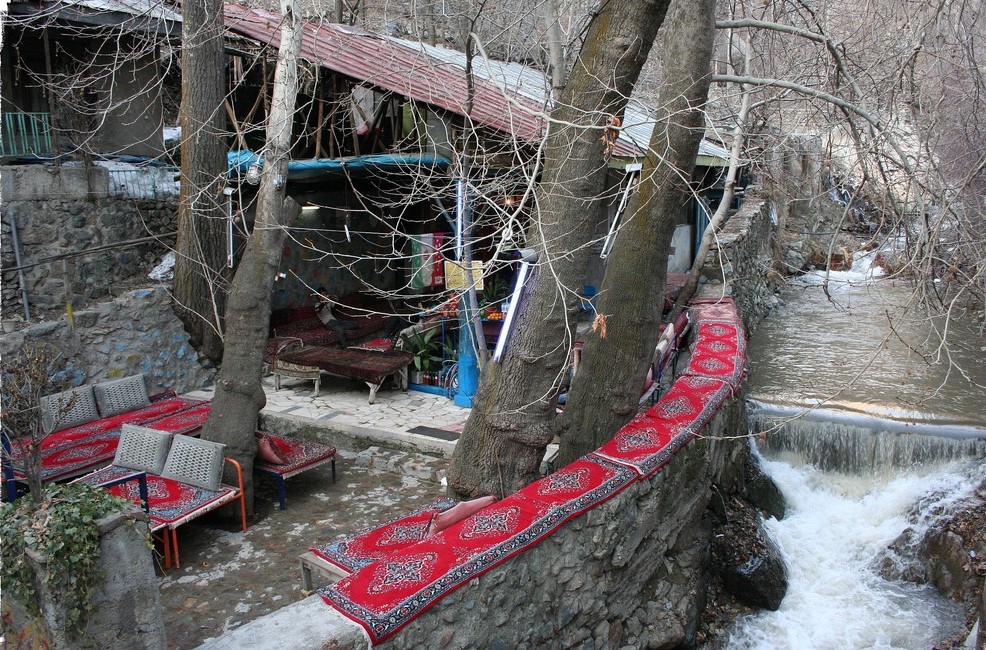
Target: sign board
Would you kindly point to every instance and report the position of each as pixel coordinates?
(456, 278)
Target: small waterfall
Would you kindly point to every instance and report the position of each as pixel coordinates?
(834, 539)
(857, 444)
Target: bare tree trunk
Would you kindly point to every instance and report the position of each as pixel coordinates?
(511, 420)
(239, 394)
(606, 392)
(200, 277)
(719, 219)
(556, 47)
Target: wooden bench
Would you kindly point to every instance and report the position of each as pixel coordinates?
(298, 456)
(370, 366)
(312, 565)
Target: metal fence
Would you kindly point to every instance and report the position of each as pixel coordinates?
(25, 134)
(145, 182)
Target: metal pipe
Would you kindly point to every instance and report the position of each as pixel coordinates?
(229, 226)
(632, 172)
(20, 271)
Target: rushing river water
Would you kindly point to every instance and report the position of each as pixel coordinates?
(860, 363)
(833, 540)
(859, 350)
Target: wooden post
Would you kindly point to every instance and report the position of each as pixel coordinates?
(318, 127)
(236, 125)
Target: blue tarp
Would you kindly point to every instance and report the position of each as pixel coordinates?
(240, 162)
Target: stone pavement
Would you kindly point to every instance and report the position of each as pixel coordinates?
(410, 420)
(228, 577)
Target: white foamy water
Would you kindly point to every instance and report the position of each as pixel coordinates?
(834, 533)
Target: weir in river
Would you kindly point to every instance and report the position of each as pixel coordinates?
(870, 427)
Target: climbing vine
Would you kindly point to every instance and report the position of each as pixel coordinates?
(62, 532)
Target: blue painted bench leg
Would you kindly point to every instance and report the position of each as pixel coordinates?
(282, 493)
(10, 484)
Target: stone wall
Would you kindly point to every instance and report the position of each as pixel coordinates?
(741, 262)
(59, 210)
(134, 333)
(631, 572)
(127, 607)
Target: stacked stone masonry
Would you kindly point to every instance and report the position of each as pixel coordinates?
(134, 333)
(627, 573)
(64, 210)
(740, 262)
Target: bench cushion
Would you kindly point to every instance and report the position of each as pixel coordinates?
(69, 408)
(195, 462)
(121, 395)
(142, 449)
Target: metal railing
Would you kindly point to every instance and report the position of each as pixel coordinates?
(25, 134)
(144, 183)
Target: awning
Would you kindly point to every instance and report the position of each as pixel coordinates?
(240, 163)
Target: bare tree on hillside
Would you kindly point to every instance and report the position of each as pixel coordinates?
(893, 89)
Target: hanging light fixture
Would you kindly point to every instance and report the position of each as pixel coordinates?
(253, 174)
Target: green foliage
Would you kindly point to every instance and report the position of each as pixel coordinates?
(494, 289)
(62, 531)
(425, 348)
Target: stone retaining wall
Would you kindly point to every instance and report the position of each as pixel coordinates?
(58, 210)
(740, 262)
(631, 572)
(126, 602)
(134, 333)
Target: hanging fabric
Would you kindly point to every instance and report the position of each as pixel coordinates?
(427, 261)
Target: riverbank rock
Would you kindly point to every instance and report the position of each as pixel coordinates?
(950, 555)
(760, 490)
(748, 562)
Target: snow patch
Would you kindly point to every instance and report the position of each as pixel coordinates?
(166, 269)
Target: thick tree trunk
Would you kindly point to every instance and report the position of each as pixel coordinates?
(200, 276)
(511, 421)
(606, 391)
(239, 394)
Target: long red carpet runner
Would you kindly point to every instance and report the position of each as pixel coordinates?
(399, 571)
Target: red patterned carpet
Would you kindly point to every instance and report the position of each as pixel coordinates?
(72, 451)
(386, 594)
(171, 503)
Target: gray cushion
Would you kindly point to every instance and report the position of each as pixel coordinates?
(142, 449)
(121, 395)
(68, 409)
(195, 462)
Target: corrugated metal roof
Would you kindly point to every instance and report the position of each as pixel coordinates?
(393, 65)
(142, 15)
(509, 97)
(148, 8)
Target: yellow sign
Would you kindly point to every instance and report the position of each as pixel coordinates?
(456, 278)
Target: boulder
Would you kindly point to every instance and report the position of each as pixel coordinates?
(748, 561)
(760, 490)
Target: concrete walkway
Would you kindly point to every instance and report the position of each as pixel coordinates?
(411, 420)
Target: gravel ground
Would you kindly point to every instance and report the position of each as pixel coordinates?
(228, 577)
